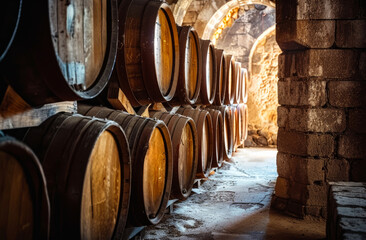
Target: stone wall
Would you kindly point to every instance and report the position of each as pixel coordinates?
(262, 99)
(238, 39)
(322, 93)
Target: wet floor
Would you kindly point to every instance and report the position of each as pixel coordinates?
(234, 204)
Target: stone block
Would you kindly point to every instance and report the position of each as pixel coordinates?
(279, 203)
(296, 209)
(347, 93)
(357, 225)
(317, 120)
(282, 188)
(362, 66)
(358, 170)
(352, 146)
(351, 34)
(282, 116)
(293, 35)
(337, 170)
(302, 93)
(357, 120)
(324, 63)
(304, 144)
(314, 9)
(308, 194)
(353, 236)
(351, 212)
(316, 211)
(300, 169)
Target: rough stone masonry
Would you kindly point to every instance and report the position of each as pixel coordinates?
(322, 97)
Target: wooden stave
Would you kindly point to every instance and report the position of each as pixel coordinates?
(145, 92)
(12, 10)
(71, 219)
(181, 95)
(217, 124)
(199, 117)
(225, 113)
(242, 124)
(136, 126)
(236, 87)
(220, 79)
(245, 128)
(20, 67)
(176, 123)
(233, 121)
(229, 61)
(246, 86)
(36, 180)
(206, 46)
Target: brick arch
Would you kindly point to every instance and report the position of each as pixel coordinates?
(211, 25)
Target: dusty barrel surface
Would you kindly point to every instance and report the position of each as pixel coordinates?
(203, 123)
(220, 77)
(190, 63)
(147, 62)
(87, 167)
(218, 133)
(229, 69)
(24, 201)
(152, 163)
(10, 12)
(226, 132)
(62, 50)
(185, 151)
(236, 83)
(208, 82)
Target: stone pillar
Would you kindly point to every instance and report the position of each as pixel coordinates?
(322, 93)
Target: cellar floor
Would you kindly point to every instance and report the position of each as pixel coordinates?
(234, 203)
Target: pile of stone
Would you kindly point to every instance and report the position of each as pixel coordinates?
(261, 136)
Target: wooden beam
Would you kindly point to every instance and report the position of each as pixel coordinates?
(118, 99)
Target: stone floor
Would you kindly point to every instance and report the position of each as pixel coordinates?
(234, 204)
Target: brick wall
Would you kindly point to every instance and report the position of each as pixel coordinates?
(322, 93)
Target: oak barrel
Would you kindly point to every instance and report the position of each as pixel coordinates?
(229, 69)
(233, 122)
(220, 77)
(236, 83)
(245, 121)
(203, 123)
(190, 64)
(185, 151)
(152, 163)
(63, 50)
(240, 120)
(245, 87)
(24, 204)
(208, 83)
(9, 19)
(227, 132)
(147, 63)
(218, 133)
(87, 167)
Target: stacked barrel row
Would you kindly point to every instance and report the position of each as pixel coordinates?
(89, 175)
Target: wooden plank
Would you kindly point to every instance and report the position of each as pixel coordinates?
(118, 99)
(16, 113)
(158, 107)
(144, 111)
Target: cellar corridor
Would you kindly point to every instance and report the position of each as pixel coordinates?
(234, 203)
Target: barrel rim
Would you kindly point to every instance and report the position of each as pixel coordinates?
(37, 182)
(220, 66)
(206, 45)
(147, 50)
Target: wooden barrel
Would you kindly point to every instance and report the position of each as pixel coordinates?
(245, 123)
(236, 83)
(220, 77)
(218, 133)
(9, 19)
(233, 123)
(147, 61)
(185, 151)
(208, 83)
(24, 204)
(245, 87)
(190, 64)
(62, 50)
(87, 167)
(229, 69)
(240, 108)
(227, 138)
(152, 163)
(203, 123)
